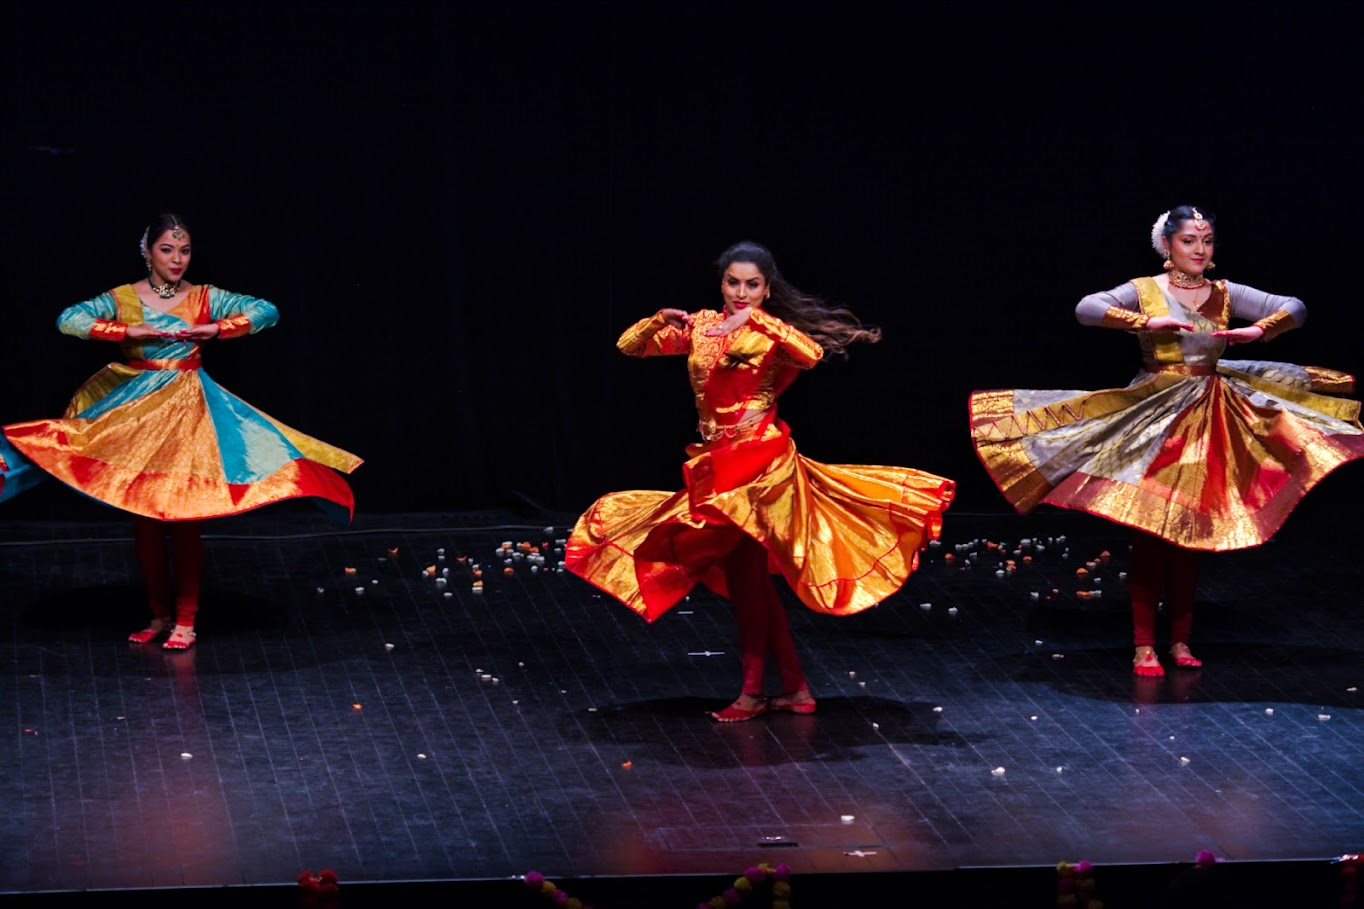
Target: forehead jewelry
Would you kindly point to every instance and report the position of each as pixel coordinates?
(1198, 222)
(178, 232)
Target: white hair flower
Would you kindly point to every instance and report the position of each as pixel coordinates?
(1158, 236)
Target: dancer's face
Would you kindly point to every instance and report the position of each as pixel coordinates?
(1191, 247)
(170, 256)
(743, 286)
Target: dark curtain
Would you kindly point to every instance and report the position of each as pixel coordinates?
(458, 208)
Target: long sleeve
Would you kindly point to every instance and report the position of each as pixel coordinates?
(801, 349)
(1116, 308)
(654, 337)
(239, 314)
(93, 320)
(1274, 313)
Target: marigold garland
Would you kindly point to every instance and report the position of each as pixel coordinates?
(1075, 886)
(1349, 880)
(752, 882)
(321, 889)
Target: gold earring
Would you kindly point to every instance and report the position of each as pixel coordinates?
(1169, 265)
(1211, 265)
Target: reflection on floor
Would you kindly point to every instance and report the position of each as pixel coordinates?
(355, 703)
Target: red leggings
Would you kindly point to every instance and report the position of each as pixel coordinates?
(163, 569)
(761, 615)
(763, 625)
(1160, 567)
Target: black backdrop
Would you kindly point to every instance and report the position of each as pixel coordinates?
(458, 207)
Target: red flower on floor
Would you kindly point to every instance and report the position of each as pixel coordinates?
(321, 889)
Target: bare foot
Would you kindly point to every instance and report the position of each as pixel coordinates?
(795, 702)
(155, 628)
(1184, 658)
(747, 707)
(181, 638)
(1144, 663)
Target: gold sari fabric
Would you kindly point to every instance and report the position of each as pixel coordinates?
(1209, 454)
(845, 537)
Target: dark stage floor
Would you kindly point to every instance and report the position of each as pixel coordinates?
(393, 730)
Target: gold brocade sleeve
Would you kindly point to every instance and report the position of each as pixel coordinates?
(1275, 324)
(653, 337)
(101, 318)
(1117, 317)
(800, 347)
(234, 327)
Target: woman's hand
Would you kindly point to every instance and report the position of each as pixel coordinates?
(143, 332)
(1167, 323)
(204, 332)
(735, 320)
(676, 318)
(1241, 335)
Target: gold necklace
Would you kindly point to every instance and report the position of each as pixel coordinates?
(1185, 281)
(164, 291)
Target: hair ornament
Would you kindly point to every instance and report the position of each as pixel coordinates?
(1198, 221)
(1158, 235)
(178, 232)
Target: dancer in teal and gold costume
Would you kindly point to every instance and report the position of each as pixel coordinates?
(1198, 452)
(158, 438)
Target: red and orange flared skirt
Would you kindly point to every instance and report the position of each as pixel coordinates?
(845, 537)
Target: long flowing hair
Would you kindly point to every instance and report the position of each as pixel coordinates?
(835, 328)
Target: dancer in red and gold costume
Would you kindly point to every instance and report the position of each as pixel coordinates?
(1198, 452)
(844, 537)
(156, 437)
